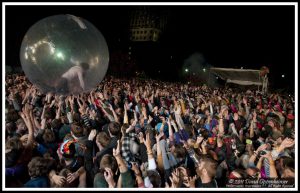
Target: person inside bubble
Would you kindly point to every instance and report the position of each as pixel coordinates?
(77, 71)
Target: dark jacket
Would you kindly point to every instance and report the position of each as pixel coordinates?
(39, 182)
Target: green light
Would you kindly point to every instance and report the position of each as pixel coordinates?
(60, 55)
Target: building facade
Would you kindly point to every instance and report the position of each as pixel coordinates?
(147, 24)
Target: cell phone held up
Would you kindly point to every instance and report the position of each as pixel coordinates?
(261, 153)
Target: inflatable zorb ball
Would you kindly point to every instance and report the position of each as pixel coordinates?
(64, 54)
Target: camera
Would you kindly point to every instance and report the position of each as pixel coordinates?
(261, 153)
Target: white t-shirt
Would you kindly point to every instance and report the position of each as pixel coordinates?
(75, 71)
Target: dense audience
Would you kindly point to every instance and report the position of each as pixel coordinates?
(145, 134)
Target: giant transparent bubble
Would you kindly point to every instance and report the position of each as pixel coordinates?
(64, 54)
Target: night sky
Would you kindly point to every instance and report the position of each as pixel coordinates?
(227, 36)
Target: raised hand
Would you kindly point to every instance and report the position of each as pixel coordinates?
(203, 145)
(183, 171)
(99, 95)
(143, 168)
(93, 114)
(109, 177)
(90, 100)
(25, 114)
(117, 151)
(71, 99)
(148, 141)
(221, 113)
(268, 155)
(245, 100)
(110, 107)
(82, 110)
(262, 147)
(59, 180)
(167, 185)
(287, 142)
(190, 181)
(219, 142)
(92, 135)
(133, 123)
(67, 101)
(52, 102)
(174, 178)
(72, 176)
(135, 168)
(173, 123)
(199, 139)
(149, 119)
(157, 137)
(169, 121)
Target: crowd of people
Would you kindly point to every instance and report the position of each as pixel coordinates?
(131, 133)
